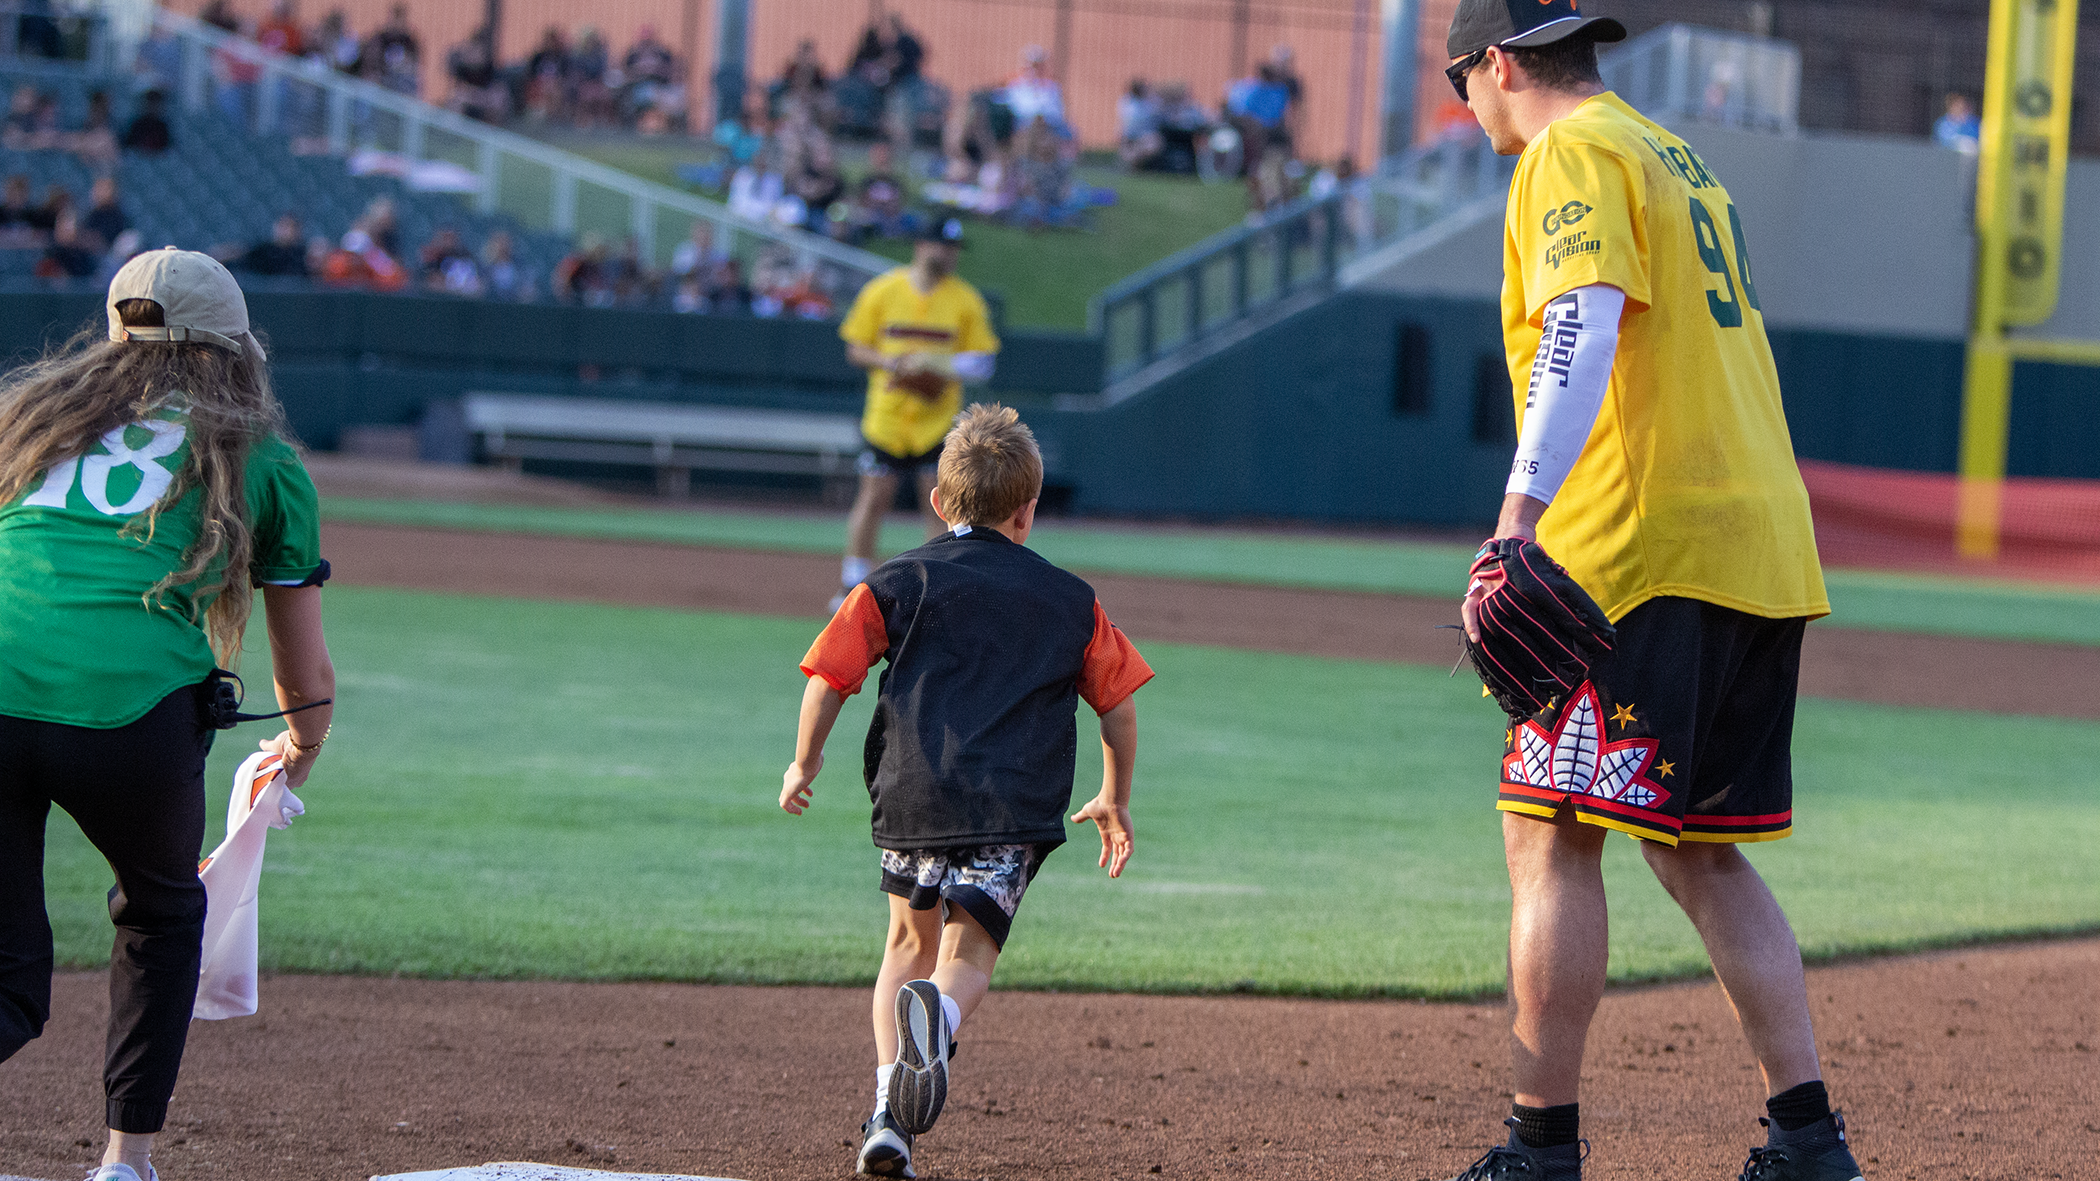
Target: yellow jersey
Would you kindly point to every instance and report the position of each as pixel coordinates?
(894, 317)
(1687, 485)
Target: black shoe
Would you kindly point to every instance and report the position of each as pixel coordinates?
(1817, 1152)
(1518, 1161)
(885, 1149)
(919, 1084)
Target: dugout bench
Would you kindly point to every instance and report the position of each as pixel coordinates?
(673, 438)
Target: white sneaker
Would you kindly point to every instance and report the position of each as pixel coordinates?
(919, 1085)
(122, 1173)
(885, 1149)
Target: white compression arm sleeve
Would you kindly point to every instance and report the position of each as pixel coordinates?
(974, 366)
(1568, 380)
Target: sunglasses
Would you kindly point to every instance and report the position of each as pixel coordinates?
(1458, 70)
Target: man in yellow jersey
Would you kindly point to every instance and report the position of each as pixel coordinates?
(920, 331)
(1653, 462)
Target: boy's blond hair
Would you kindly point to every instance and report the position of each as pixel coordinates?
(990, 466)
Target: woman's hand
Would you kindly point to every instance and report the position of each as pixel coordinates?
(297, 763)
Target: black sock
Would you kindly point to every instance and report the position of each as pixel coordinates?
(1546, 1127)
(1797, 1107)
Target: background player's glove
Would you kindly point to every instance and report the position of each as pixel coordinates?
(1539, 630)
(924, 374)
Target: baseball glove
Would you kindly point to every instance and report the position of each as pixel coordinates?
(924, 374)
(1539, 630)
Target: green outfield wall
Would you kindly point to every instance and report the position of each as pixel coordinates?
(1371, 406)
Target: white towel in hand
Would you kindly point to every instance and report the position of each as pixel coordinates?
(232, 876)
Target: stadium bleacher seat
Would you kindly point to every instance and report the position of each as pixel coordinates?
(219, 184)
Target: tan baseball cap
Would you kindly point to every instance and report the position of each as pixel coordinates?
(199, 300)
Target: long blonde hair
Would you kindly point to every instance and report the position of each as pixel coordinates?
(53, 409)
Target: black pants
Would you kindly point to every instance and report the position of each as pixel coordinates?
(137, 792)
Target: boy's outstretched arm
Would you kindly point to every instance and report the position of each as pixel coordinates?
(1110, 811)
(820, 710)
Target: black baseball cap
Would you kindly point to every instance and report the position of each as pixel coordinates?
(1523, 24)
(945, 228)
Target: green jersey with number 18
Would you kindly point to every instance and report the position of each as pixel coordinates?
(1687, 485)
(83, 645)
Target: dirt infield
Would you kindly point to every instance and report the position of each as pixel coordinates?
(1952, 1065)
(1899, 669)
(1957, 1065)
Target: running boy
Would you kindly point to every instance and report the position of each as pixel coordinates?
(972, 751)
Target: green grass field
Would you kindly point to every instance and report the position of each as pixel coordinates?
(532, 789)
(1047, 277)
(1859, 598)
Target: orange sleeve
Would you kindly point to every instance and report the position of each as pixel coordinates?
(851, 643)
(1113, 669)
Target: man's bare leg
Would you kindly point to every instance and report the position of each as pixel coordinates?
(1753, 952)
(1558, 951)
(864, 526)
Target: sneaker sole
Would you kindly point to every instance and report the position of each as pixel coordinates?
(919, 1085)
(884, 1160)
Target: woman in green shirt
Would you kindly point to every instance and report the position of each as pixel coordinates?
(146, 490)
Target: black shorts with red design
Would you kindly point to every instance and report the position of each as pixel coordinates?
(1683, 732)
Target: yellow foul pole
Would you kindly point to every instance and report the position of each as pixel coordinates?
(2019, 235)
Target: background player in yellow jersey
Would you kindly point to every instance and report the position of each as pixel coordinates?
(1653, 461)
(920, 331)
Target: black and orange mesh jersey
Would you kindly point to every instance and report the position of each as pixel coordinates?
(990, 649)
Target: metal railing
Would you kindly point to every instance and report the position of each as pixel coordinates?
(1257, 270)
(1186, 302)
(1733, 79)
(544, 188)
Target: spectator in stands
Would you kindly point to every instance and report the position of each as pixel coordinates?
(803, 79)
(547, 77)
(448, 266)
(337, 45)
(633, 283)
(878, 206)
(696, 256)
(1259, 107)
(1182, 122)
(282, 254)
(366, 256)
(583, 275)
(780, 288)
(500, 270)
(57, 200)
(105, 221)
(72, 254)
(1959, 128)
(392, 56)
(1043, 177)
(757, 189)
(383, 224)
(148, 130)
(18, 228)
(1033, 94)
(590, 98)
(727, 293)
(1283, 65)
(651, 88)
(478, 91)
(1140, 127)
(96, 141)
(19, 128)
(280, 30)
